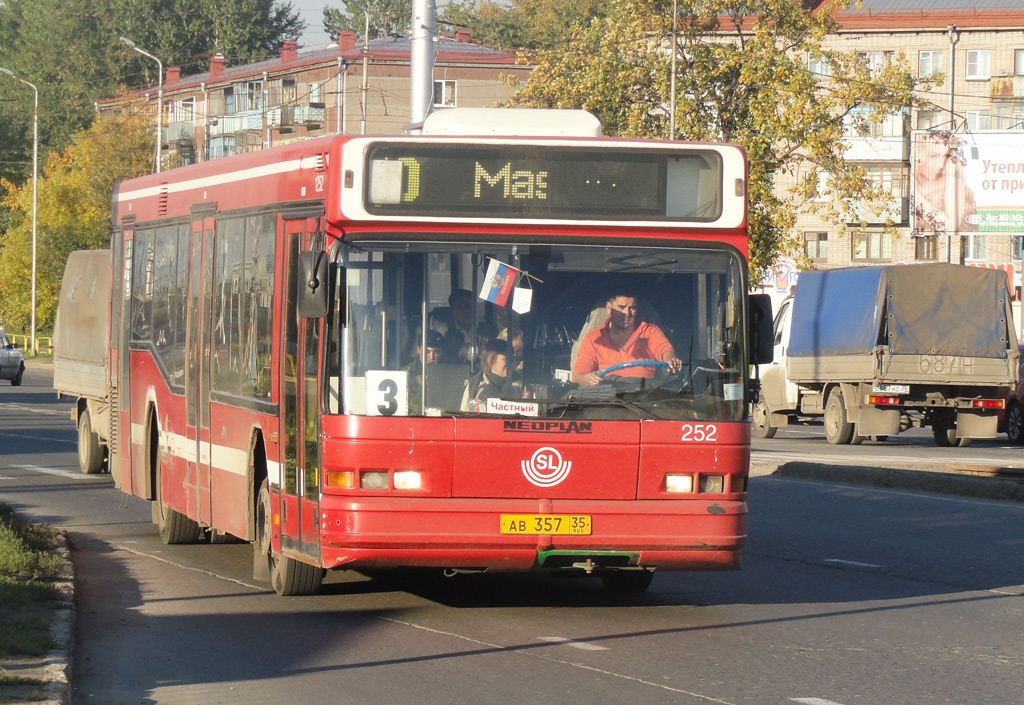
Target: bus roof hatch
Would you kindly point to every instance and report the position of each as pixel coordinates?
(525, 122)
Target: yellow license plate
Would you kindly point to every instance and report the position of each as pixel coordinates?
(537, 524)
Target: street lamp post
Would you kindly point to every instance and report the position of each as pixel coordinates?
(35, 191)
(159, 95)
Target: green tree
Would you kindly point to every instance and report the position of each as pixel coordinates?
(186, 33)
(522, 24)
(74, 195)
(387, 17)
(741, 77)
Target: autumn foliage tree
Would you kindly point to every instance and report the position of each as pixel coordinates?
(74, 204)
(741, 76)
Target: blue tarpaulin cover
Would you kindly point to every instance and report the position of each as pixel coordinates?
(928, 309)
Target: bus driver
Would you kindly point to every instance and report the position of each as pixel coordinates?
(623, 338)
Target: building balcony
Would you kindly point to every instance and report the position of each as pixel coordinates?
(878, 212)
(178, 131)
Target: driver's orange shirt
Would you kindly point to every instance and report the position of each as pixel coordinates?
(598, 350)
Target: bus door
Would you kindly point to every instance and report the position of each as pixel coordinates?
(197, 385)
(300, 407)
(120, 444)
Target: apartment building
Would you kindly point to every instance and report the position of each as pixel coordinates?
(954, 168)
(305, 94)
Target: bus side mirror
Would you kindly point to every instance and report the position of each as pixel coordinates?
(761, 333)
(312, 284)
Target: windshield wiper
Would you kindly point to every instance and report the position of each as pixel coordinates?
(577, 402)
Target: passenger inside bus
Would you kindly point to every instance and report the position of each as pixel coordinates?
(434, 354)
(491, 380)
(624, 338)
(455, 323)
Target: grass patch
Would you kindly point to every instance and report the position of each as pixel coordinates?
(8, 679)
(28, 569)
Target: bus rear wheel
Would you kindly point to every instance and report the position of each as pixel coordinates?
(288, 576)
(174, 527)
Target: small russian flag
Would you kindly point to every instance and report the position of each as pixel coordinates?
(498, 282)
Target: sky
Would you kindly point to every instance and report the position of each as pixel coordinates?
(312, 11)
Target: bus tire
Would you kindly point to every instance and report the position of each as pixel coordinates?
(174, 527)
(838, 429)
(627, 580)
(762, 420)
(90, 452)
(288, 576)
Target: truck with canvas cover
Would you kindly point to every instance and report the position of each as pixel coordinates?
(872, 351)
(80, 335)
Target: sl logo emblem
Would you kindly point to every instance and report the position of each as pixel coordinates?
(546, 468)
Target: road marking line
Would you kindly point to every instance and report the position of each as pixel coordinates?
(53, 471)
(573, 643)
(814, 701)
(855, 564)
(40, 438)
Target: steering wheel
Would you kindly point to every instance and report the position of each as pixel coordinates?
(633, 363)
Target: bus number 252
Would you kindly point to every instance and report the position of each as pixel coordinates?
(699, 433)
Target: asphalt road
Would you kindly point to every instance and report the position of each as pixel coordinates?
(848, 596)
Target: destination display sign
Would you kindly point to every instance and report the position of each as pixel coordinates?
(542, 182)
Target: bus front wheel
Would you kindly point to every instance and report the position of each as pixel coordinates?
(287, 576)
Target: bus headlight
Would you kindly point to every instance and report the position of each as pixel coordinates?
(374, 480)
(679, 484)
(408, 480)
(712, 484)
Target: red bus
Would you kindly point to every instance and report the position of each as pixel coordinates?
(295, 331)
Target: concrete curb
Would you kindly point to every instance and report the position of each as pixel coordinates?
(990, 486)
(56, 667)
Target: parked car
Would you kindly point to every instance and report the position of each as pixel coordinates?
(1011, 420)
(12, 364)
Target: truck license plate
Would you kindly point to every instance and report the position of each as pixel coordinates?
(891, 389)
(537, 524)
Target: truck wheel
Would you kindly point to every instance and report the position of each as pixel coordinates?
(944, 433)
(90, 452)
(838, 430)
(1015, 423)
(761, 420)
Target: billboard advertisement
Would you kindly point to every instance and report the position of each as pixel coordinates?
(968, 182)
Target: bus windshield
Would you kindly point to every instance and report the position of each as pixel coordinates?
(458, 329)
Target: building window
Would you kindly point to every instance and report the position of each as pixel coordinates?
(818, 67)
(875, 60)
(816, 245)
(229, 101)
(929, 63)
(975, 247)
(314, 92)
(927, 247)
(872, 246)
(931, 119)
(977, 120)
(444, 94)
(1015, 247)
(288, 92)
(978, 63)
(1018, 62)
